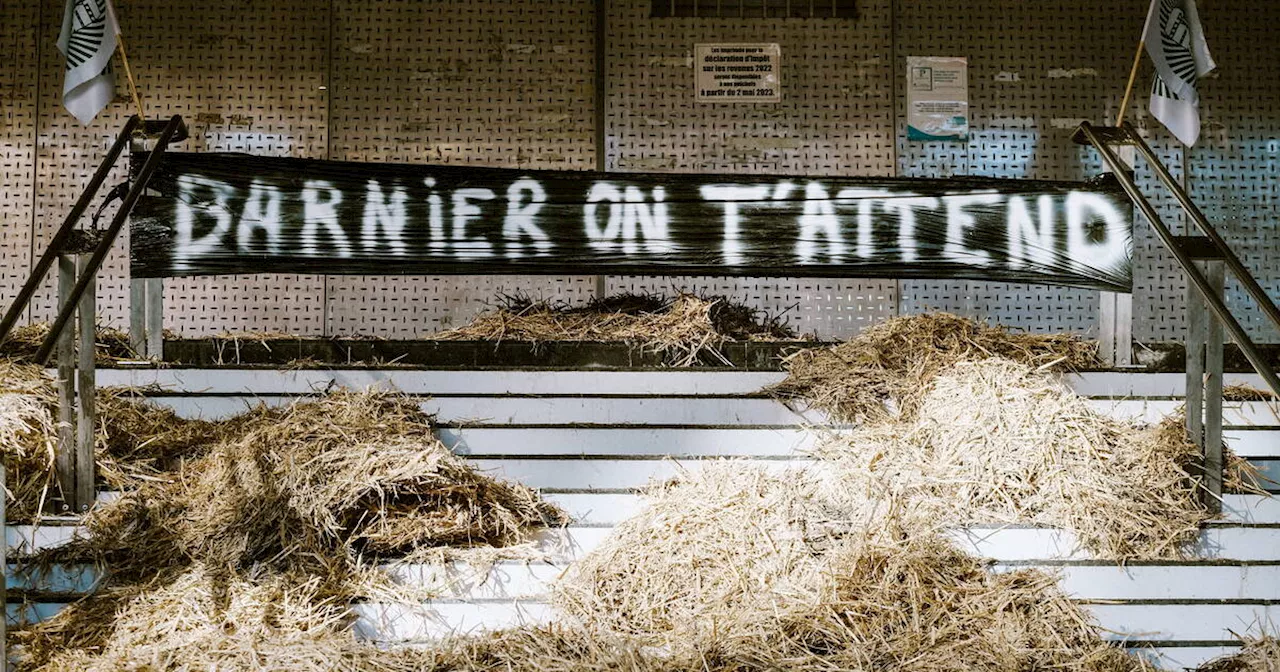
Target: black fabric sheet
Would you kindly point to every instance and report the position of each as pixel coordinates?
(213, 214)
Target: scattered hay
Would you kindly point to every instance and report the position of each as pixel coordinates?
(350, 473)
(287, 515)
(709, 547)
(738, 569)
(995, 441)
(205, 620)
(139, 440)
(27, 437)
(1238, 474)
(892, 362)
(685, 329)
(1242, 392)
(1261, 654)
(111, 345)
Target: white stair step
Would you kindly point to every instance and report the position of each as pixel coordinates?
(1234, 413)
(1120, 384)
(670, 411)
(674, 381)
(682, 442)
(533, 580)
(1253, 442)
(1183, 657)
(1104, 581)
(595, 508)
(608, 474)
(1225, 542)
(616, 473)
(610, 411)
(55, 579)
(409, 624)
(517, 580)
(638, 441)
(1020, 544)
(609, 508)
(1127, 622)
(309, 381)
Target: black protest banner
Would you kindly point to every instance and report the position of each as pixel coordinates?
(214, 214)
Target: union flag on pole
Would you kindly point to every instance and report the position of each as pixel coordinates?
(88, 39)
(1175, 42)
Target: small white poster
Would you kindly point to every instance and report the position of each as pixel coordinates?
(738, 73)
(937, 98)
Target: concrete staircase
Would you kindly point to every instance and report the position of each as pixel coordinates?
(590, 439)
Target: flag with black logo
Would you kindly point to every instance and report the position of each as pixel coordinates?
(1175, 42)
(88, 39)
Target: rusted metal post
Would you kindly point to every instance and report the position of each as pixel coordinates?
(65, 458)
(155, 318)
(1213, 462)
(1197, 320)
(86, 411)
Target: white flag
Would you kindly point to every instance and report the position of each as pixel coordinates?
(88, 39)
(1175, 42)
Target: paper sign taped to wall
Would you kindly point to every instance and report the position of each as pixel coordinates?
(737, 73)
(937, 98)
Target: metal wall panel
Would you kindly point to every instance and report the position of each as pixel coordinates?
(18, 68)
(512, 84)
(834, 119)
(253, 84)
(1235, 168)
(1035, 71)
(492, 83)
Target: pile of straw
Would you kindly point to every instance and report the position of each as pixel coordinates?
(1261, 654)
(884, 369)
(686, 329)
(995, 441)
(1242, 392)
(111, 345)
(27, 436)
(265, 535)
(737, 569)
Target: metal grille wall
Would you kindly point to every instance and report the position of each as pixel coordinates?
(18, 33)
(494, 83)
(1037, 71)
(833, 119)
(512, 84)
(1234, 171)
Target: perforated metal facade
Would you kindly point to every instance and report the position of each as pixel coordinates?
(514, 84)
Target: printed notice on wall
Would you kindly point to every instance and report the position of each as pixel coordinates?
(937, 99)
(737, 73)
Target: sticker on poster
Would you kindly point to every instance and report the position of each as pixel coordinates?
(937, 99)
(737, 73)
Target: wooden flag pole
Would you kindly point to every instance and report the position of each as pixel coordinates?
(133, 88)
(1133, 76)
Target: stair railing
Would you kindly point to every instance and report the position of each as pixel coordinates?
(1206, 291)
(77, 273)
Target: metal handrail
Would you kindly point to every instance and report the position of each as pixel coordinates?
(68, 225)
(1215, 303)
(67, 309)
(1233, 262)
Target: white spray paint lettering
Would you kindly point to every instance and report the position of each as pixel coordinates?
(320, 208)
(630, 218)
(959, 222)
(1026, 242)
(730, 195)
(261, 213)
(385, 215)
(465, 211)
(186, 246)
(520, 221)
